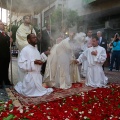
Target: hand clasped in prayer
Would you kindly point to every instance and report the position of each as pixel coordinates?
(94, 53)
(38, 62)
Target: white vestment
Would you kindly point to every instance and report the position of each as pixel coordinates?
(32, 79)
(21, 35)
(21, 40)
(95, 74)
(85, 63)
(60, 72)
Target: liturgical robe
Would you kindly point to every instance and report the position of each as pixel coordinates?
(60, 71)
(87, 44)
(95, 75)
(32, 79)
(21, 35)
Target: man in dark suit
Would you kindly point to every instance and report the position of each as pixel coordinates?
(4, 56)
(45, 43)
(39, 38)
(102, 42)
(45, 39)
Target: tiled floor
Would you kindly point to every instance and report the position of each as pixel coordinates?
(3, 95)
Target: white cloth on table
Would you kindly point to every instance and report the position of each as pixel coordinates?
(31, 84)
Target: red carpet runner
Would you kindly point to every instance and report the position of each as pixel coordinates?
(57, 94)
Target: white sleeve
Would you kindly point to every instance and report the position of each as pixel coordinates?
(43, 57)
(82, 57)
(102, 56)
(25, 63)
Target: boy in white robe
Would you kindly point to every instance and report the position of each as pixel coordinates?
(95, 56)
(30, 62)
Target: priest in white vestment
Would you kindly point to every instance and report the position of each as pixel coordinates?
(87, 44)
(21, 36)
(30, 62)
(95, 56)
(22, 32)
(60, 71)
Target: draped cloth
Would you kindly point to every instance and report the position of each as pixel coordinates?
(87, 44)
(95, 74)
(21, 35)
(60, 71)
(31, 84)
(21, 40)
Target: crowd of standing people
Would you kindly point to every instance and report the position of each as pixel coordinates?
(57, 66)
